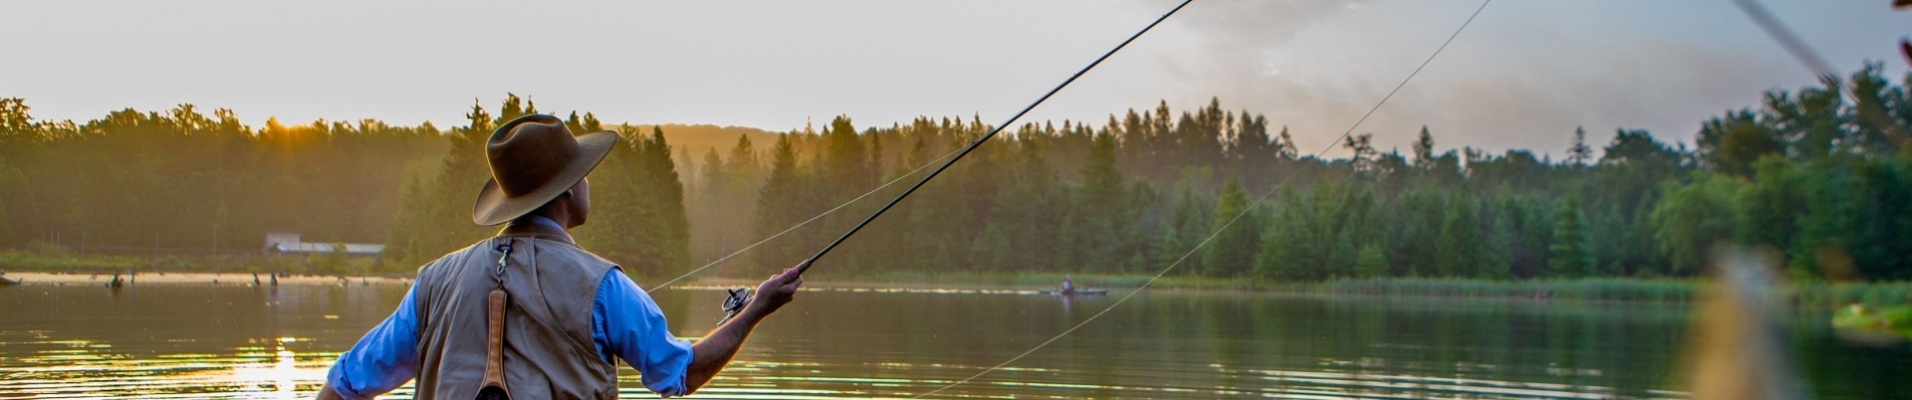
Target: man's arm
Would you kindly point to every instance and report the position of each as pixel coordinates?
(383, 359)
(716, 349)
(328, 393)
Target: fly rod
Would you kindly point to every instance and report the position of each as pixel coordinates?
(979, 141)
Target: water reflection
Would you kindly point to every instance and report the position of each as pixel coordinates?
(243, 342)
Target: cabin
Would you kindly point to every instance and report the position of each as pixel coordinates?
(290, 243)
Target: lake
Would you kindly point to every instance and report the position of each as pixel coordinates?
(233, 341)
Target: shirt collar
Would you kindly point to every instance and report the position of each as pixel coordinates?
(541, 220)
(537, 225)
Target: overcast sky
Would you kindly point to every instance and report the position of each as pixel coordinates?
(1522, 76)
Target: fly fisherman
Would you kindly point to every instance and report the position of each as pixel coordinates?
(565, 315)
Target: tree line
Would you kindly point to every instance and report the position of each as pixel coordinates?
(183, 182)
(1820, 174)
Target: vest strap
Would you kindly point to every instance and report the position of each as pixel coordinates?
(493, 387)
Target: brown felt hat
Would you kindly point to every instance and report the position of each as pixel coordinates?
(534, 159)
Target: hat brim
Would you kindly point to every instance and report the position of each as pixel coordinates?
(495, 207)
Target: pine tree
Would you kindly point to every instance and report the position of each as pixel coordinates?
(1572, 255)
(1424, 150)
(1579, 153)
(1495, 260)
(777, 208)
(1460, 239)
(1232, 252)
(665, 190)
(435, 223)
(1099, 207)
(1371, 262)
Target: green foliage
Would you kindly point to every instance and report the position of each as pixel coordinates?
(637, 203)
(9, 177)
(1459, 249)
(1733, 143)
(1604, 289)
(1571, 252)
(1233, 249)
(1371, 262)
(184, 181)
(1694, 218)
(1824, 181)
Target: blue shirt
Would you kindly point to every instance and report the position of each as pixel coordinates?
(387, 356)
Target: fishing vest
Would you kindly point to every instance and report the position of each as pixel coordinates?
(548, 348)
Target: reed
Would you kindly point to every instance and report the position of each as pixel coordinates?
(1600, 289)
(1843, 293)
(1659, 290)
(70, 262)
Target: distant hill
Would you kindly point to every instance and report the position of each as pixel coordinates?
(700, 139)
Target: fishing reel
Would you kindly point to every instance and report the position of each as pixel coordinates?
(734, 303)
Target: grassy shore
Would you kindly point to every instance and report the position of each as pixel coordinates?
(1808, 294)
(73, 263)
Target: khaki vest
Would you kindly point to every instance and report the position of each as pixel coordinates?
(548, 349)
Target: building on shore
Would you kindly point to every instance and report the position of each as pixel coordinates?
(290, 243)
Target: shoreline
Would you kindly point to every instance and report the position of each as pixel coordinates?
(195, 278)
(1634, 290)
(1813, 294)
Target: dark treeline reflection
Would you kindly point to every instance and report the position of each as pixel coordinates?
(1825, 180)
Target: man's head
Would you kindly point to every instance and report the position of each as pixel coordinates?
(570, 209)
(537, 166)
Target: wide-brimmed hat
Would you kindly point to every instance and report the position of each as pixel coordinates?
(534, 159)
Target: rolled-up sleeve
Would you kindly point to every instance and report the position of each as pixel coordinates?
(384, 359)
(627, 324)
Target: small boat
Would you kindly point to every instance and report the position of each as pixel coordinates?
(1077, 292)
(9, 282)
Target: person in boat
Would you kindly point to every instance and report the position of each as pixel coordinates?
(1068, 284)
(571, 315)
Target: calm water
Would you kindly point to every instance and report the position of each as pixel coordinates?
(239, 342)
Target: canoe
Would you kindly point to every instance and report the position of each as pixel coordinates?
(9, 282)
(1077, 292)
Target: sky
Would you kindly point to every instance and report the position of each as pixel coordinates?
(1524, 75)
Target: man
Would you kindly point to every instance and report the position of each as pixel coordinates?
(570, 314)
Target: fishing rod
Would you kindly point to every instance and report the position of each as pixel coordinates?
(736, 299)
(1815, 61)
(979, 141)
(1231, 221)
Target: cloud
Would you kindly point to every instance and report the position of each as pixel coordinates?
(1521, 76)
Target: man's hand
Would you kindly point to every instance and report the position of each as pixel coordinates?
(715, 351)
(777, 291)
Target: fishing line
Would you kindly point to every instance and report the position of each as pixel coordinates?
(798, 225)
(939, 170)
(979, 141)
(1231, 221)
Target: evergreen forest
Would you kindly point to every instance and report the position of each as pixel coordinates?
(1820, 175)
